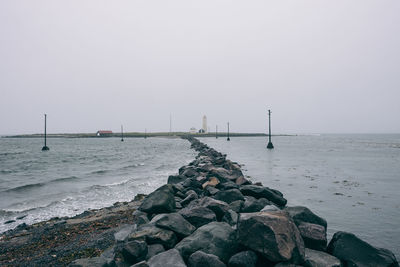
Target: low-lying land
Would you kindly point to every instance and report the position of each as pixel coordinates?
(207, 215)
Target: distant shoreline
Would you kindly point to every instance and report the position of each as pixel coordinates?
(141, 135)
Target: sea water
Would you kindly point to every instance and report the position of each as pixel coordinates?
(353, 181)
(81, 173)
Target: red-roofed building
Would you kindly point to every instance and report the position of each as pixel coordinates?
(103, 133)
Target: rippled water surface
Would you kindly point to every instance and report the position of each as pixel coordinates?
(78, 174)
(353, 181)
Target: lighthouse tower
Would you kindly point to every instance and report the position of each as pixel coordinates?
(205, 128)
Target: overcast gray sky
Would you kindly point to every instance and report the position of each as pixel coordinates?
(320, 66)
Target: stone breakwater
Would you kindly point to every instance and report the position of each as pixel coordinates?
(211, 215)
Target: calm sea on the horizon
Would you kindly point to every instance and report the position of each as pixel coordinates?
(352, 181)
(81, 173)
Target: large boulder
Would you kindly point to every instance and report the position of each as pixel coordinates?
(134, 251)
(229, 196)
(272, 234)
(201, 259)
(176, 179)
(314, 235)
(191, 195)
(246, 258)
(160, 201)
(316, 258)
(174, 222)
(217, 206)
(169, 258)
(154, 235)
(355, 252)
(303, 214)
(264, 192)
(89, 262)
(198, 216)
(216, 238)
(251, 204)
(153, 250)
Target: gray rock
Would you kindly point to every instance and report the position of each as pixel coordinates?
(153, 250)
(314, 235)
(141, 264)
(270, 208)
(230, 217)
(264, 192)
(303, 214)
(191, 195)
(174, 222)
(243, 259)
(134, 251)
(175, 179)
(229, 196)
(154, 235)
(217, 206)
(242, 181)
(201, 259)
(356, 252)
(192, 184)
(124, 232)
(227, 185)
(210, 190)
(273, 234)
(198, 216)
(216, 238)
(236, 206)
(89, 262)
(160, 201)
(316, 258)
(251, 204)
(169, 258)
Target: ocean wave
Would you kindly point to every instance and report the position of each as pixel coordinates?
(5, 154)
(28, 187)
(65, 179)
(99, 172)
(132, 166)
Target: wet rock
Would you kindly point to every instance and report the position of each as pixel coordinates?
(176, 179)
(243, 259)
(314, 235)
(242, 181)
(270, 208)
(169, 258)
(251, 204)
(153, 250)
(141, 264)
(192, 184)
(140, 217)
(272, 234)
(210, 190)
(89, 262)
(236, 206)
(174, 222)
(9, 221)
(356, 252)
(316, 258)
(264, 192)
(230, 218)
(160, 201)
(154, 235)
(124, 232)
(227, 185)
(134, 251)
(229, 196)
(216, 238)
(222, 174)
(191, 195)
(198, 216)
(303, 214)
(217, 206)
(190, 172)
(201, 259)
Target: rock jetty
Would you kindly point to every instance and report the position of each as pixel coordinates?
(210, 214)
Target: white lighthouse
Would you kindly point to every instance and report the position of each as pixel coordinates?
(205, 128)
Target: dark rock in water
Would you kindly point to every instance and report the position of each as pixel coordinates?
(264, 192)
(303, 214)
(174, 222)
(242, 181)
(198, 216)
(316, 258)
(140, 264)
(9, 221)
(251, 204)
(272, 234)
(314, 235)
(216, 238)
(356, 252)
(154, 235)
(230, 217)
(229, 196)
(243, 259)
(89, 262)
(217, 206)
(236, 206)
(160, 201)
(210, 190)
(169, 258)
(175, 179)
(201, 259)
(227, 185)
(134, 251)
(153, 250)
(191, 195)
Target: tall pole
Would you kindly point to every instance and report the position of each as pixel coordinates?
(270, 145)
(45, 148)
(228, 139)
(145, 133)
(122, 134)
(216, 131)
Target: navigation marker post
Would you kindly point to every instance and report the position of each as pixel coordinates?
(228, 139)
(45, 148)
(270, 145)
